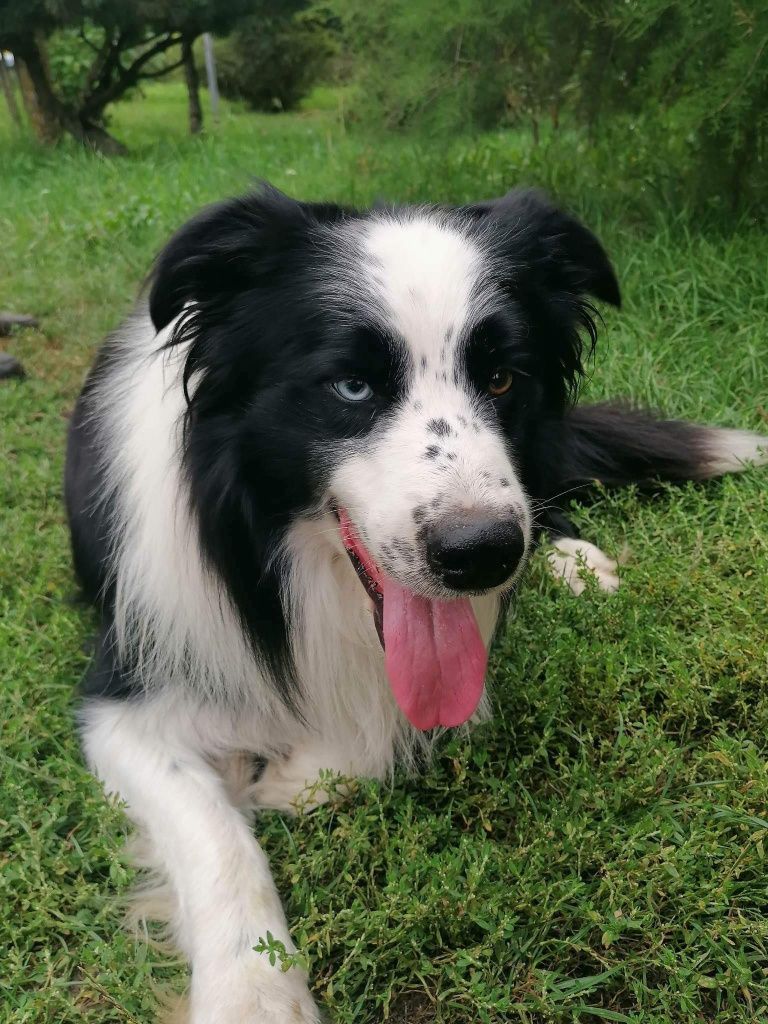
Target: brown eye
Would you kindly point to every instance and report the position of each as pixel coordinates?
(500, 381)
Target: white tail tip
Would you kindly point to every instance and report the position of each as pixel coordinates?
(730, 451)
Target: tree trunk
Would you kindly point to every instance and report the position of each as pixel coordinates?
(193, 85)
(48, 114)
(41, 107)
(6, 81)
(98, 139)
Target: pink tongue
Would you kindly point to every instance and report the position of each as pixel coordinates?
(434, 655)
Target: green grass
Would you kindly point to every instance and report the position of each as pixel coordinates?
(596, 853)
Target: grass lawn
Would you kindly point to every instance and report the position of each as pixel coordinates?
(598, 852)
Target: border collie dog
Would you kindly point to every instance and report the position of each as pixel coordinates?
(303, 481)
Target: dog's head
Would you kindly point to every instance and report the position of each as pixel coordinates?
(392, 369)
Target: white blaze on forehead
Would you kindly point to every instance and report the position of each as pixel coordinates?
(429, 277)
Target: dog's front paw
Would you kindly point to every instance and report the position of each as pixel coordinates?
(253, 992)
(570, 559)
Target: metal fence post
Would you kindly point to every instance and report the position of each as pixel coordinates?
(210, 71)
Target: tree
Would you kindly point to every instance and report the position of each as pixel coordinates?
(129, 40)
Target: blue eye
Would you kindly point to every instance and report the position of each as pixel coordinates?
(353, 389)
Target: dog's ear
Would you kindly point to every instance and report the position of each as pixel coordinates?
(231, 247)
(552, 245)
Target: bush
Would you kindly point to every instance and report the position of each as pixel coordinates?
(688, 78)
(70, 56)
(273, 59)
(467, 66)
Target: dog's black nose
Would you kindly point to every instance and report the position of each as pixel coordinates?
(474, 554)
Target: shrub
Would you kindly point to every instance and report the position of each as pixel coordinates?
(688, 78)
(70, 56)
(273, 58)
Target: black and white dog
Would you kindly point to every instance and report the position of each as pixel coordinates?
(303, 481)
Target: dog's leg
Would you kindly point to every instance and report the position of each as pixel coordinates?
(224, 895)
(570, 558)
(296, 782)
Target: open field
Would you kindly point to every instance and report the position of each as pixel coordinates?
(598, 852)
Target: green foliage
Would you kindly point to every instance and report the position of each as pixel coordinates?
(191, 17)
(704, 64)
(440, 65)
(595, 853)
(687, 80)
(19, 20)
(43, 16)
(274, 56)
(690, 77)
(70, 59)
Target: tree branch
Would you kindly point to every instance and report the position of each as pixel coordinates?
(106, 56)
(164, 44)
(92, 46)
(162, 71)
(110, 88)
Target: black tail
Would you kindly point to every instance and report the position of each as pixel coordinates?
(614, 445)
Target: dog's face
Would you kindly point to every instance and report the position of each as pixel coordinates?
(393, 369)
(429, 478)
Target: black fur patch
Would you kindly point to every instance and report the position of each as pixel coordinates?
(439, 426)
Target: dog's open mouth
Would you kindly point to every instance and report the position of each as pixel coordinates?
(434, 654)
(367, 571)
